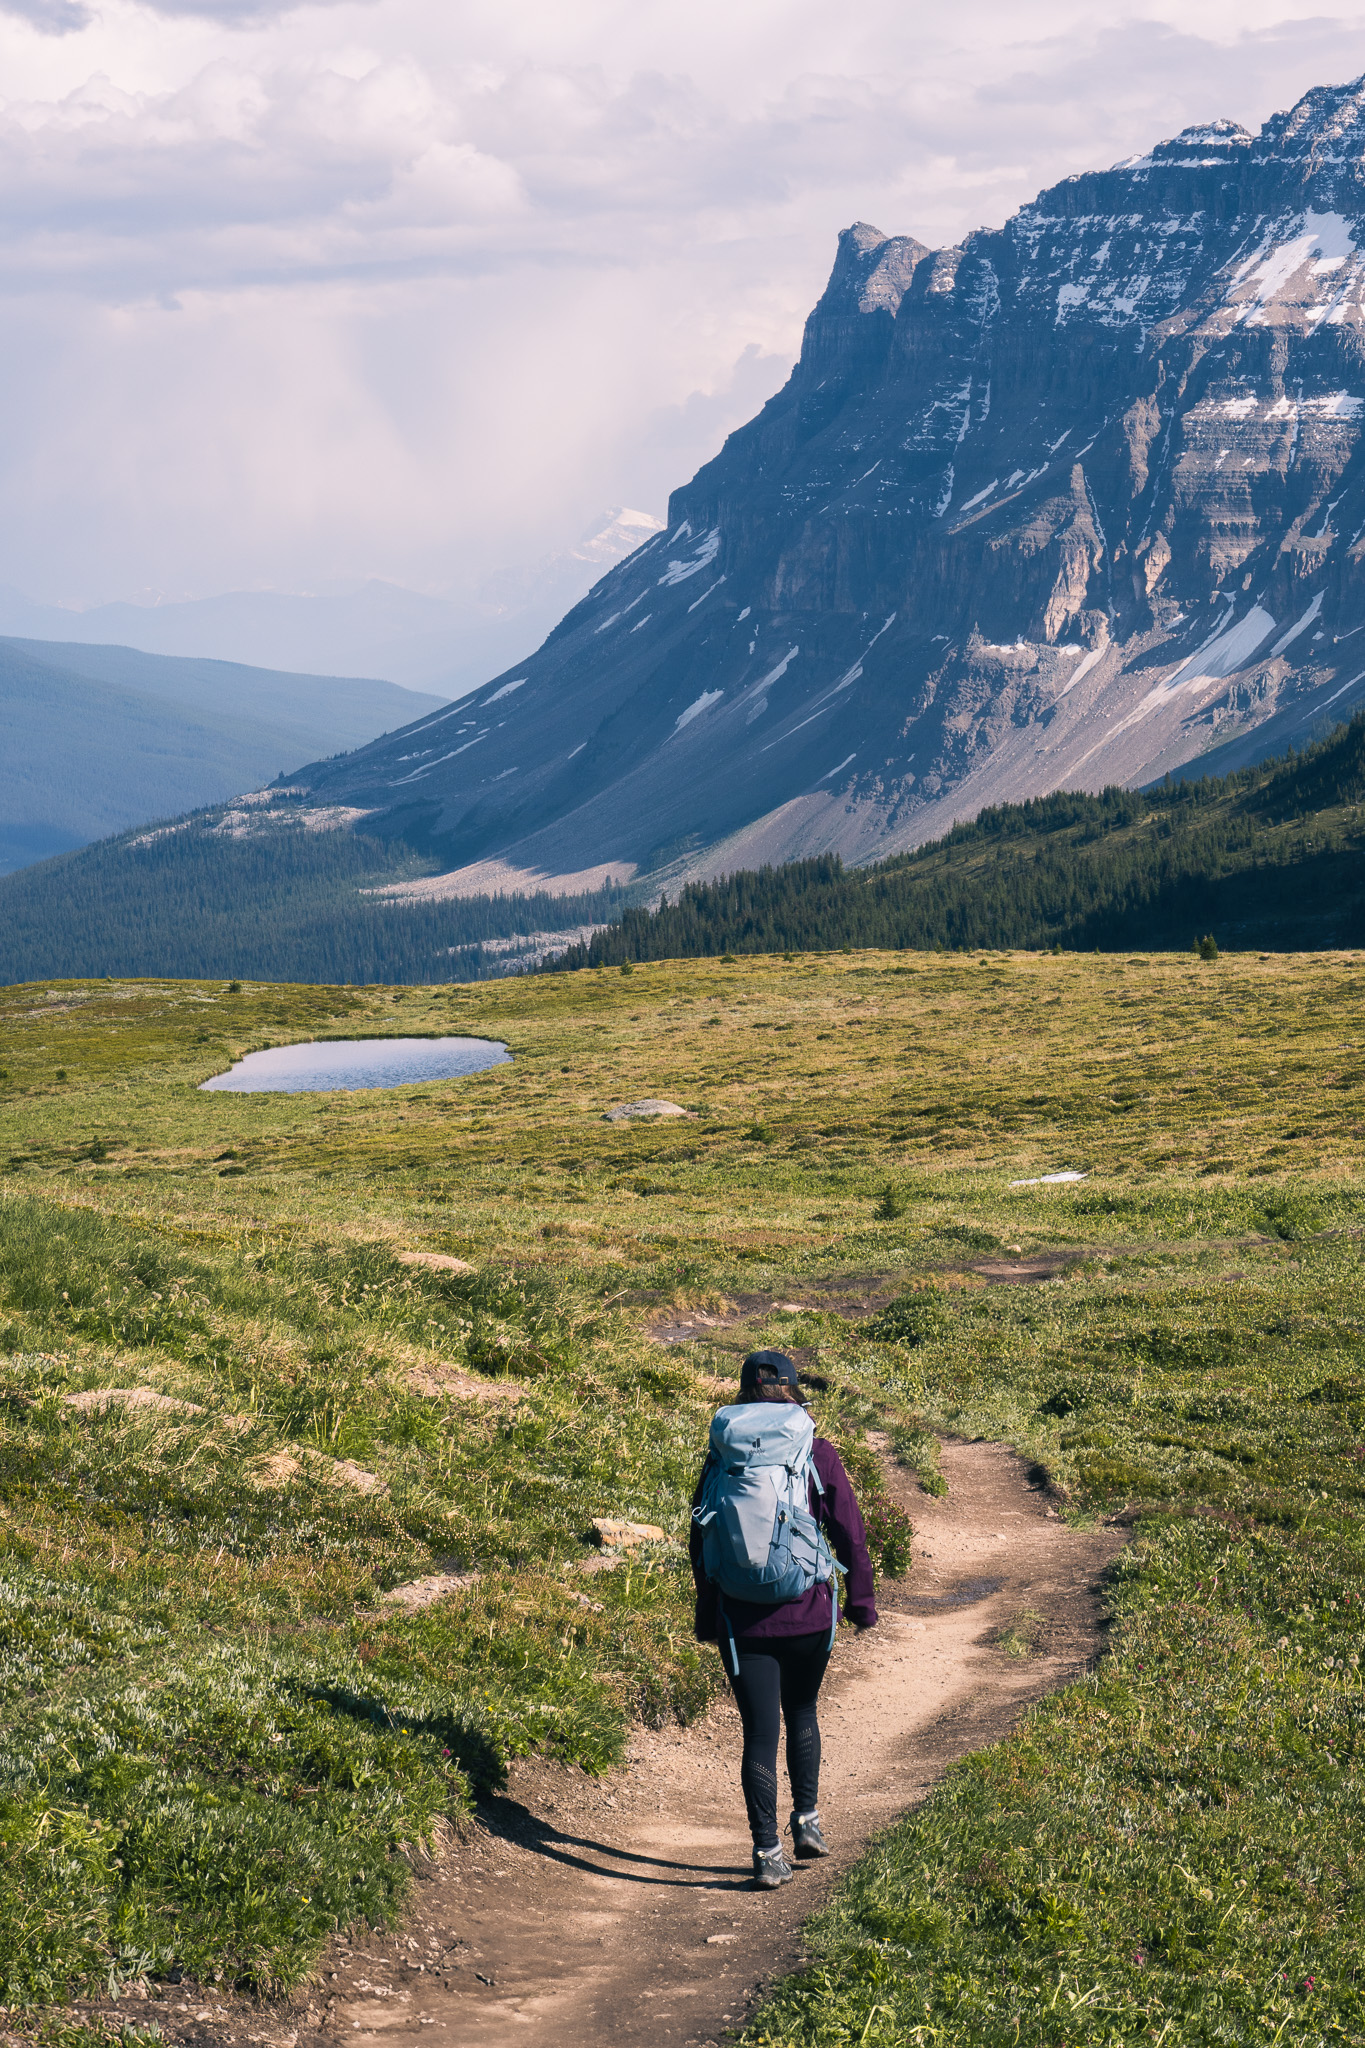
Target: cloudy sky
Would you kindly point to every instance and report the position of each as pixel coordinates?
(415, 288)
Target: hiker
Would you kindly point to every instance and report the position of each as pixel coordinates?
(775, 1527)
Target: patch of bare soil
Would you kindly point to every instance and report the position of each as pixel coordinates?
(460, 1385)
(95, 1400)
(856, 1295)
(280, 1468)
(619, 1911)
(418, 1593)
(1021, 1272)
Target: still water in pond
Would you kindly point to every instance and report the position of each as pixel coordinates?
(359, 1063)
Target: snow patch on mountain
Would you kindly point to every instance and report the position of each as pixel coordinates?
(1228, 651)
(1083, 668)
(1323, 242)
(696, 708)
(679, 571)
(1287, 639)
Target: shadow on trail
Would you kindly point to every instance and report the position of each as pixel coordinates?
(509, 1821)
(963, 1593)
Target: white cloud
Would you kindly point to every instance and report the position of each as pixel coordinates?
(409, 287)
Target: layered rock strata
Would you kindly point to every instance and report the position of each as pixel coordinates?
(1081, 501)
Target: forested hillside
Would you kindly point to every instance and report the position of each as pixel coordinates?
(1268, 857)
(284, 903)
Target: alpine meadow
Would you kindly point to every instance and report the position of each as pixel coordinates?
(910, 909)
(235, 1417)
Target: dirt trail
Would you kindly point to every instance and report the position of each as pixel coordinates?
(620, 1912)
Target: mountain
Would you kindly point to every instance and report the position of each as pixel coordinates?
(550, 586)
(1269, 857)
(448, 644)
(99, 738)
(1077, 502)
(1266, 857)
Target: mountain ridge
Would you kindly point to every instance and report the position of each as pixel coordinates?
(444, 644)
(100, 738)
(1061, 506)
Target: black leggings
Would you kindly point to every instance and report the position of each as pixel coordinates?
(778, 1672)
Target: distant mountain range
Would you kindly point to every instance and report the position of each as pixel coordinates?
(100, 738)
(1075, 503)
(448, 645)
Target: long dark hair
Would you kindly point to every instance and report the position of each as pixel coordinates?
(766, 1386)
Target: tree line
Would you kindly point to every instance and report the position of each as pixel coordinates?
(275, 905)
(1267, 857)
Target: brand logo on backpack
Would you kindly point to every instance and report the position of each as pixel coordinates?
(760, 1540)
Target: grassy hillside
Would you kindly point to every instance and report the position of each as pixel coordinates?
(1269, 856)
(278, 900)
(99, 738)
(217, 1736)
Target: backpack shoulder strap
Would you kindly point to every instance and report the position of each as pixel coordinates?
(704, 1513)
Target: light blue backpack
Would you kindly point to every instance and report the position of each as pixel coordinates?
(760, 1541)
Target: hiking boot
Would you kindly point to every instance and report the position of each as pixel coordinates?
(771, 1869)
(807, 1839)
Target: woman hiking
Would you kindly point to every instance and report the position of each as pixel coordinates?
(775, 1526)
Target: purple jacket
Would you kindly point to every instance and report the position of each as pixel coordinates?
(837, 1510)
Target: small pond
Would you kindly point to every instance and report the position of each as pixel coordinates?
(358, 1063)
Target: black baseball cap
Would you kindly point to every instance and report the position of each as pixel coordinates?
(769, 1365)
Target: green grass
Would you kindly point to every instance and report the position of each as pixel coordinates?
(219, 1741)
(1175, 1843)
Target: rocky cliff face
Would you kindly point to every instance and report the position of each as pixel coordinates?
(1078, 502)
